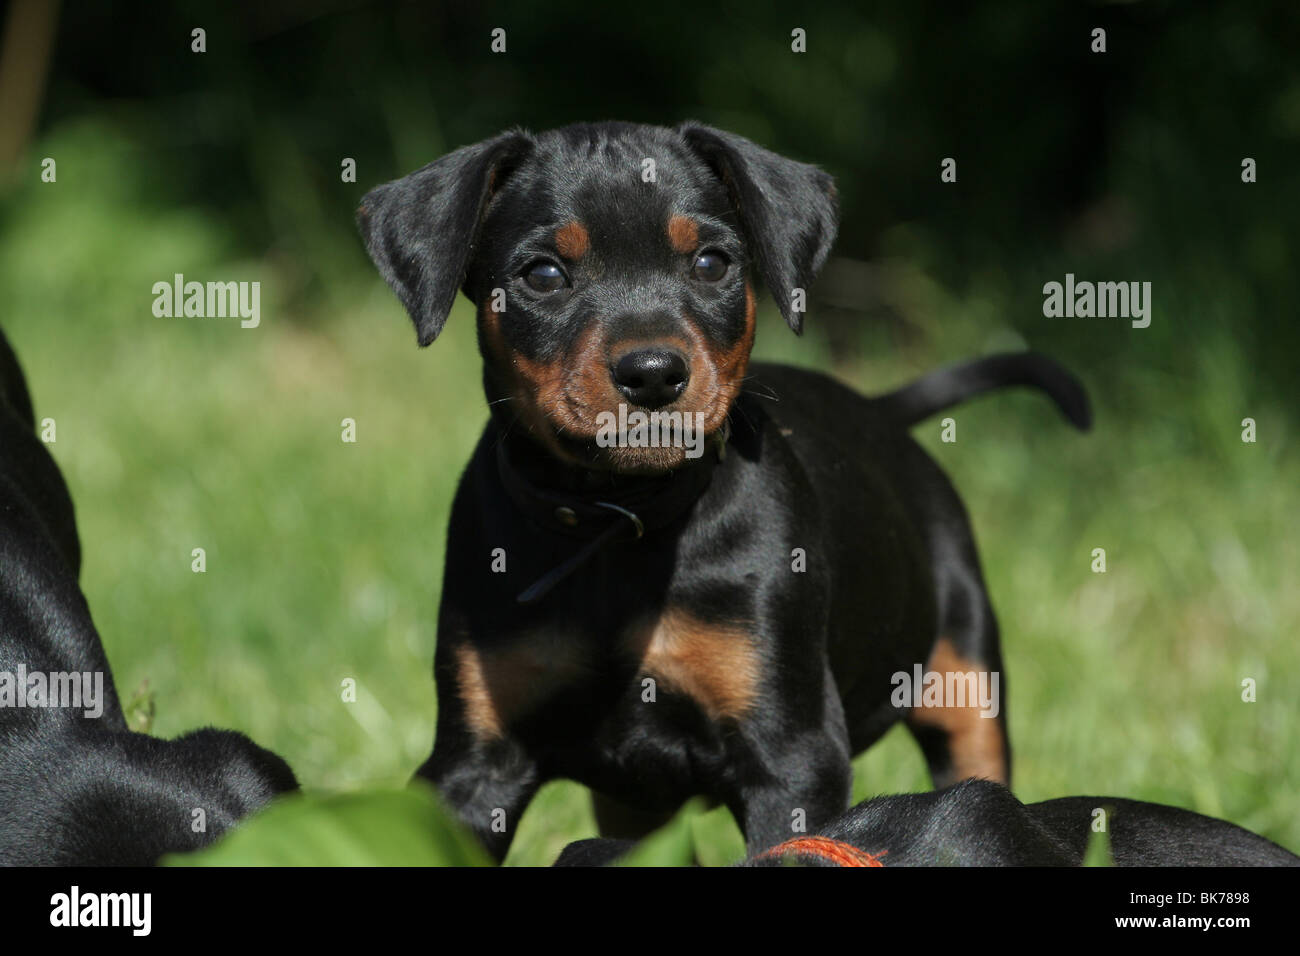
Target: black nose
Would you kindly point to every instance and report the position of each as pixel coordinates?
(651, 378)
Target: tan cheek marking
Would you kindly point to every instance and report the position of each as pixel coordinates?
(568, 390)
(975, 743)
(733, 362)
(683, 234)
(722, 370)
(572, 240)
(490, 322)
(522, 391)
(590, 388)
(498, 687)
(717, 666)
(573, 388)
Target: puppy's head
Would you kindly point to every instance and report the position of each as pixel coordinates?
(611, 264)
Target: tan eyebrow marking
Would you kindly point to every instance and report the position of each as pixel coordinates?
(683, 233)
(572, 240)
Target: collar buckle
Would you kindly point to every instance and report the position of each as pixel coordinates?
(630, 516)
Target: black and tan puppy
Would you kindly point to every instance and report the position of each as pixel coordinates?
(715, 603)
(76, 786)
(979, 823)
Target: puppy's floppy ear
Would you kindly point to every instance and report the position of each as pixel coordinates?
(420, 230)
(788, 209)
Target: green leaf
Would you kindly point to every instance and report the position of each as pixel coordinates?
(718, 840)
(374, 828)
(673, 844)
(140, 709)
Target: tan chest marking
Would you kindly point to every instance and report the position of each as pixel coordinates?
(499, 686)
(717, 666)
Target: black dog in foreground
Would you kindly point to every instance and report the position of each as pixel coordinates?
(670, 572)
(76, 786)
(979, 823)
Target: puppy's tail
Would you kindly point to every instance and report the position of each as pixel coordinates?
(943, 388)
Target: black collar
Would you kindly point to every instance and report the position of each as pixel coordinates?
(629, 511)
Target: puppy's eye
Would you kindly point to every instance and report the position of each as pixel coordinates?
(710, 266)
(545, 277)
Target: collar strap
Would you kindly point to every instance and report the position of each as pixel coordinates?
(602, 517)
(836, 852)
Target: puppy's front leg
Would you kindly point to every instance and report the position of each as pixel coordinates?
(794, 778)
(488, 784)
(794, 793)
(480, 769)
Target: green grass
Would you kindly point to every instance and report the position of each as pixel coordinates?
(324, 559)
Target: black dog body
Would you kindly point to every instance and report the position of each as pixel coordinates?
(764, 692)
(980, 823)
(77, 789)
(743, 645)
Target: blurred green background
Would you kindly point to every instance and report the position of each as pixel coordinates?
(324, 559)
